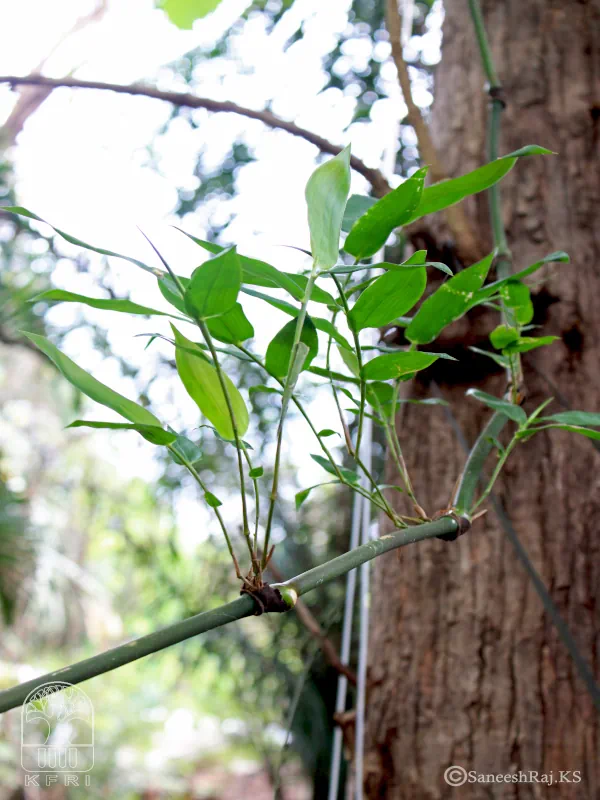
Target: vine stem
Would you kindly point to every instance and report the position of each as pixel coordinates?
(288, 388)
(238, 443)
(243, 606)
(190, 468)
(498, 469)
(355, 487)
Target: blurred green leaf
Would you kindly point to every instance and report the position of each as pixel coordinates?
(348, 474)
(256, 472)
(503, 335)
(125, 306)
(279, 351)
(526, 343)
(212, 500)
(326, 196)
(356, 206)
(184, 13)
(448, 303)
(327, 432)
(214, 286)
(502, 361)
(202, 383)
(446, 193)
(301, 496)
(171, 293)
(23, 212)
(588, 432)
(517, 297)
(579, 418)
(97, 391)
(183, 447)
(371, 231)
(493, 288)
(510, 410)
(152, 433)
(389, 296)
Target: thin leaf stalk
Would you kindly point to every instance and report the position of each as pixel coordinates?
(497, 470)
(288, 390)
(190, 468)
(355, 487)
(238, 443)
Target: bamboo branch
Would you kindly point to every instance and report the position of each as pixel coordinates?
(311, 624)
(186, 100)
(243, 606)
(465, 240)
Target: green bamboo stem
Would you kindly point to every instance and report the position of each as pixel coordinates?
(238, 443)
(190, 468)
(309, 422)
(243, 606)
(275, 485)
(464, 496)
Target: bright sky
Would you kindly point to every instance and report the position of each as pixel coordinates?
(82, 163)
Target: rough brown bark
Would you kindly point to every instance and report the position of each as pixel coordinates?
(467, 668)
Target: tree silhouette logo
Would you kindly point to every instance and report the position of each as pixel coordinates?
(57, 729)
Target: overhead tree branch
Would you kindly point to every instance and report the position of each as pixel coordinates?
(464, 236)
(186, 100)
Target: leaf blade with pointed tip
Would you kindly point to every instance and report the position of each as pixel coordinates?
(510, 410)
(448, 303)
(279, 351)
(24, 212)
(449, 192)
(371, 231)
(389, 296)
(214, 286)
(398, 365)
(579, 418)
(326, 195)
(91, 387)
(302, 495)
(104, 304)
(201, 382)
(152, 433)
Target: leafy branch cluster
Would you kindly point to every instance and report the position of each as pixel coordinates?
(366, 295)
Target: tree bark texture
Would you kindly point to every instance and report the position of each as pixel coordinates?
(466, 668)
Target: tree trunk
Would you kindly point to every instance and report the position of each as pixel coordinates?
(466, 668)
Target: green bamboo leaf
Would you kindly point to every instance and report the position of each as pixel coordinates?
(579, 418)
(184, 13)
(202, 383)
(301, 496)
(232, 327)
(371, 231)
(510, 410)
(256, 472)
(151, 433)
(348, 474)
(526, 343)
(588, 432)
(350, 360)
(381, 395)
(450, 302)
(262, 389)
(502, 361)
(357, 205)
(214, 286)
(517, 297)
(503, 335)
(171, 293)
(124, 306)
(397, 365)
(327, 432)
(446, 193)
(184, 448)
(259, 273)
(23, 212)
(332, 375)
(493, 288)
(91, 387)
(212, 500)
(279, 351)
(326, 196)
(388, 297)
